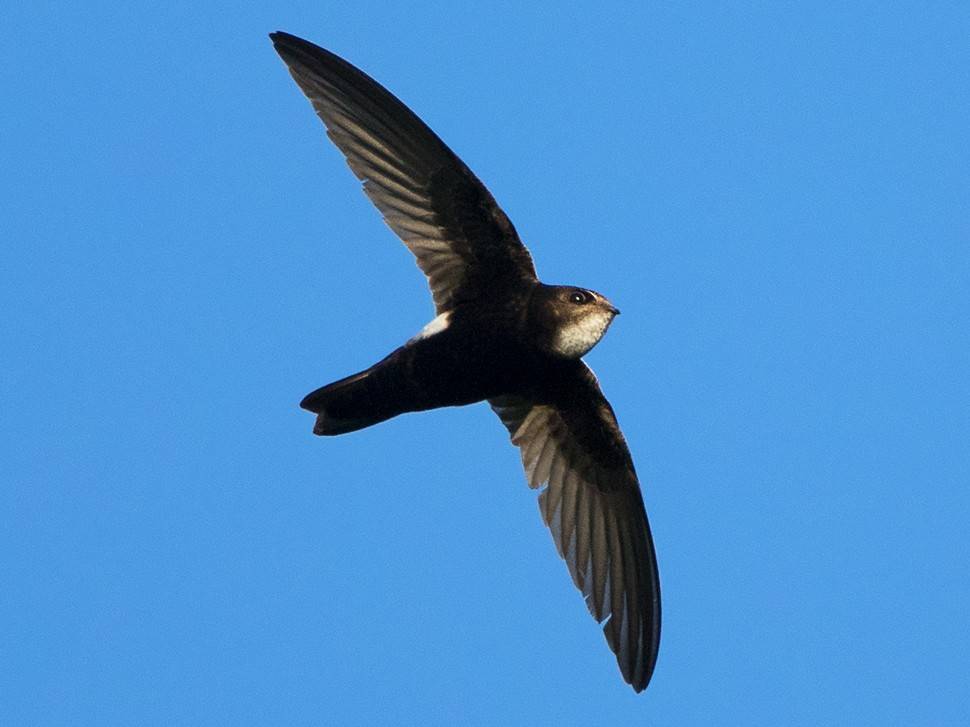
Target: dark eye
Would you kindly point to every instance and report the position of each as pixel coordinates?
(579, 297)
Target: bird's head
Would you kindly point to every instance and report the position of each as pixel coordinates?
(571, 320)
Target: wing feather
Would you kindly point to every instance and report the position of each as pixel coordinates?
(423, 190)
(571, 444)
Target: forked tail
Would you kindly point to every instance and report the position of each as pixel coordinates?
(350, 404)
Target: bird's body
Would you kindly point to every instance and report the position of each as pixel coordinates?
(500, 335)
(475, 352)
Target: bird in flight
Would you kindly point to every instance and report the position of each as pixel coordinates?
(501, 336)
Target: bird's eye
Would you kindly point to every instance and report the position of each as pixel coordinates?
(579, 297)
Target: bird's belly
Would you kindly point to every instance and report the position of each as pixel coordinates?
(452, 370)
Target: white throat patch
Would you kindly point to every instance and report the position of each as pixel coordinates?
(575, 338)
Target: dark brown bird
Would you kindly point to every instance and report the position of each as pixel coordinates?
(500, 336)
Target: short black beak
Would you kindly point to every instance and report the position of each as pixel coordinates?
(614, 310)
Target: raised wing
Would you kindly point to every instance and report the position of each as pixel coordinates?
(462, 240)
(570, 442)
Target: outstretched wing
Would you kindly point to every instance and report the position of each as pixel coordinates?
(462, 240)
(570, 442)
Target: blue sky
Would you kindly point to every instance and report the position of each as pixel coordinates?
(777, 198)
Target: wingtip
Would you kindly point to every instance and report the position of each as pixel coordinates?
(297, 51)
(641, 680)
(287, 41)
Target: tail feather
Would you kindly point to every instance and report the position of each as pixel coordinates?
(348, 405)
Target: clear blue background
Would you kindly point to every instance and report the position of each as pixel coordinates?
(775, 195)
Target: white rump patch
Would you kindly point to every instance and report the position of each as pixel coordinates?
(436, 325)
